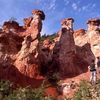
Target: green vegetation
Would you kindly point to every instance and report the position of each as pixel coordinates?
(5, 89)
(50, 37)
(87, 91)
(6, 93)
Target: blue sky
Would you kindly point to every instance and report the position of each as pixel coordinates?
(55, 11)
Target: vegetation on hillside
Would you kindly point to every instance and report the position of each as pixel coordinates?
(86, 91)
(6, 93)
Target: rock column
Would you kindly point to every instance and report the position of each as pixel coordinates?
(67, 48)
(27, 60)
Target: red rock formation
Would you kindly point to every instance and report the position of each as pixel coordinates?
(68, 59)
(93, 24)
(68, 23)
(91, 37)
(22, 58)
(12, 26)
(23, 52)
(27, 22)
(79, 32)
(94, 35)
(66, 41)
(27, 61)
(83, 48)
(45, 56)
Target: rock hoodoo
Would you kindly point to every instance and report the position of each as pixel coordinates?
(66, 49)
(27, 60)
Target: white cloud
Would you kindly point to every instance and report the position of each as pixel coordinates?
(52, 5)
(93, 5)
(74, 6)
(66, 2)
(77, 6)
(88, 7)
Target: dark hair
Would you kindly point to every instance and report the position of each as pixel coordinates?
(93, 60)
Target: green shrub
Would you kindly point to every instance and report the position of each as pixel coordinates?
(28, 94)
(5, 88)
(83, 92)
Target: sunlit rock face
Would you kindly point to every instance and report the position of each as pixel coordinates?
(27, 59)
(23, 58)
(88, 41)
(83, 47)
(19, 50)
(94, 35)
(80, 32)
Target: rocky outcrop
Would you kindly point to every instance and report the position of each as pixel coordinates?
(66, 41)
(45, 57)
(83, 47)
(23, 58)
(21, 47)
(94, 35)
(91, 37)
(27, 59)
(93, 24)
(12, 26)
(70, 64)
(79, 32)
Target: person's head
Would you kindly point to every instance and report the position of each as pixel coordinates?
(93, 61)
(98, 58)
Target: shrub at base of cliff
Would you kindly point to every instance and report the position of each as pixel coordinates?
(87, 91)
(28, 94)
(53, 78)
(5, 89)
(7, 93)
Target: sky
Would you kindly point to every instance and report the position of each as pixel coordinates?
(55, 11)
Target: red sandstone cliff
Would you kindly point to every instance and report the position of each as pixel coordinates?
(19, 51)
(23, 59)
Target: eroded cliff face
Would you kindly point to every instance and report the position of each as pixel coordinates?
(25, 60)
(94, 35)
(70, 62)
(66, 40)
(90, 36)
(83, 47)
(24, 51)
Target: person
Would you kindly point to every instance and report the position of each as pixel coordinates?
(93, 72)
(98, 64)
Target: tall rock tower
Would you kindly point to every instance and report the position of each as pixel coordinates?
(27, 60)
(67, 48)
